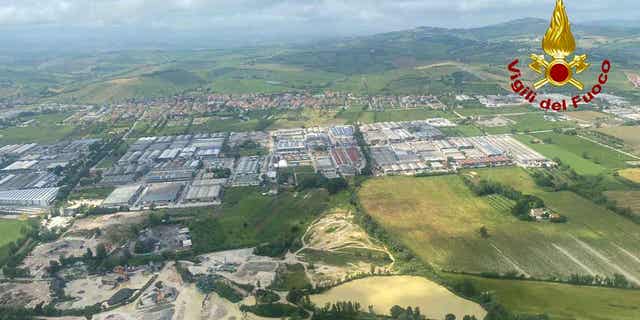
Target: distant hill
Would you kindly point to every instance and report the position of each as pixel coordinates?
(392, 62)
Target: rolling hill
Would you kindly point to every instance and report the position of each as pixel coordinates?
(388, 63)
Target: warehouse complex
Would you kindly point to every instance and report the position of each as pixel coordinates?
(29, 182)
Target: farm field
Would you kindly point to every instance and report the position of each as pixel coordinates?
(630, 135)
(581, 147)
(561, 301)
(632, 175)
(491, 111)
(588, 116)
(46, 129)
(357, 113)
(530, 122)
(626, 199)
(572, 151)
(383, 293)
(9, 232)
(439, 219)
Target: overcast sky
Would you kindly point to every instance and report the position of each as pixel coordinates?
(292, 18)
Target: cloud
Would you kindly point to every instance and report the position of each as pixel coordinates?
(296, 15)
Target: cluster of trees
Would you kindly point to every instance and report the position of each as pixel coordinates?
(617, 281)
(80, 168)
(367, 170)
(346, 310)
(211, 283)
(276, 310)
(20, 248)
(524, 203)
(220, 173)
(409, 313)
(279, 247)
(589, 187)
(312, 181)
(266, 296)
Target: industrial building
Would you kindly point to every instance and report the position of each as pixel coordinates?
(206, 191)
(247, 172)
(125, 196)
(40, 198)
(161, 194)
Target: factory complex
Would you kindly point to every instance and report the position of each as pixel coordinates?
(195, 169)
(31, 173)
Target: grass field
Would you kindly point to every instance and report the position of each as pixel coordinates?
(588, 116)
(490, 111)
(439, 219)
(561, 301)
(632, 174)
(9, 232)
(583, 156)
(530, 122)
(292, 276)
(626, 199)
(500, 203)
(91, 193)
(47, 129)
(383, 293)
(630, 135)
(247, 218)
(357, 113)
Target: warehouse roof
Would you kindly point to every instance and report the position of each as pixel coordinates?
(122, 194)
(162, 192)
(203, 192)
(20, 165)
(42, 194)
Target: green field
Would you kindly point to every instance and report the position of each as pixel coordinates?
(561, 301)
(583, 156)
(630, 135)
(46, 129)
(9, 232)
(289, 277)
(626, 199)
(91, 193)
(247, 218)
(358, 114)
(439, 219)
(467, 112)
(631, 174)
(530, 122)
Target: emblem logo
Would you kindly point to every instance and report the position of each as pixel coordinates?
(559, 43)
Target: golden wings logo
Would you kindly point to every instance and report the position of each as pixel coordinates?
(559, 44)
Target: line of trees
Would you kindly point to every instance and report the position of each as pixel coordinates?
(564, 178)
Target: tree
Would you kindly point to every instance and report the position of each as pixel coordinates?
(396, 311)
(101, 251)
(336, 185)
(484, 233)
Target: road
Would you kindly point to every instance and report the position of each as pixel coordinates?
(610, 147)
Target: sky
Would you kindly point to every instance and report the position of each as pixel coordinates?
(275, 19)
